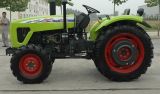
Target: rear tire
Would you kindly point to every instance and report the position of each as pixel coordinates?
(31, 65)
(110, 61)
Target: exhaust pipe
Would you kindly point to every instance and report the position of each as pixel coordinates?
(64, 3)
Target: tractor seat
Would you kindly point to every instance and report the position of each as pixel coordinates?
(82, 20)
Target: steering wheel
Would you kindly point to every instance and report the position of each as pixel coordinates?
(90, 9)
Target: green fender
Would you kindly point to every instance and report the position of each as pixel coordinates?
(96, 28)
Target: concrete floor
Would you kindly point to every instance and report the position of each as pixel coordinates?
(78, 76)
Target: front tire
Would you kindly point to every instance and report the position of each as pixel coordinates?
(123, 53)
(31, 65)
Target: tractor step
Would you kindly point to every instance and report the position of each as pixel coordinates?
(10, 51)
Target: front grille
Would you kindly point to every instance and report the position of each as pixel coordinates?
(22, 33)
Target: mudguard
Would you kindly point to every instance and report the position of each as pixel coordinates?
(96, 28)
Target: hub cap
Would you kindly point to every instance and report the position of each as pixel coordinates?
(124, 53)
(30, 66)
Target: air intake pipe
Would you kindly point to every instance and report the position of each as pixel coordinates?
(52, 4)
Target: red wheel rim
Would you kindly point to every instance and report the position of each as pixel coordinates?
(30, 66)
(135, 41)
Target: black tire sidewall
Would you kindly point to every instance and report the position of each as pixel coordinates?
(101, 62)
(46, 65)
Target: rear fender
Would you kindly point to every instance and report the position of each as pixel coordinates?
(125, 19)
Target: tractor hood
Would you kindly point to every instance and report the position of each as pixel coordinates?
(29, 26)
(43, 23)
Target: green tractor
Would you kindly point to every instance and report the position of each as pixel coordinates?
(119, 46)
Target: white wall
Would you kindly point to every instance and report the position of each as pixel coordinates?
(150, 11)
(35, 8)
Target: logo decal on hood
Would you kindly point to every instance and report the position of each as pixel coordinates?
(48, 20)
